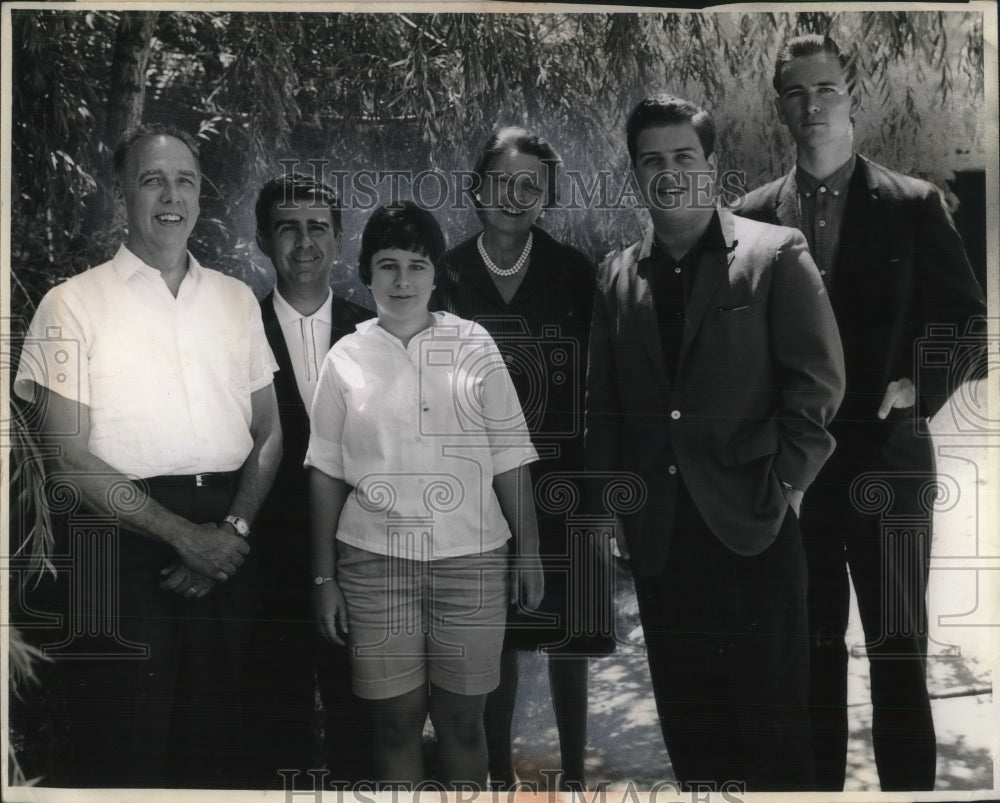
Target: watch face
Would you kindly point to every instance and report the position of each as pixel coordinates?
(240, 524)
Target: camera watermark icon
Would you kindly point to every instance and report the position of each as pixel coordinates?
(51, 362)
(949, 362)
(541, 366)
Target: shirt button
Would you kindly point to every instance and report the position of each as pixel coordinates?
(822, 223)
(822, 273)
(671, 470)
(675, 414)
(822, 189)
(677, 270)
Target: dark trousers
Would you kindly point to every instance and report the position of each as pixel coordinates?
(286, 659)
(882, 534)
(348, 724)
(172, 719)
(282, 717)
(726, 640)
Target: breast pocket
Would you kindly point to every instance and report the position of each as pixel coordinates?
(228, 358)
(736, 312)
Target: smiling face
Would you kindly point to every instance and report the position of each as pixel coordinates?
(302, 243)
(513, 192)
(402, 282)
(672, 170)
(815, 102)
(159, 193)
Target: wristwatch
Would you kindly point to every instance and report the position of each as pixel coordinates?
(241, 526)
(322, 581)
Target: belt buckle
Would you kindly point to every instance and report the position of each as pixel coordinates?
(201, 480)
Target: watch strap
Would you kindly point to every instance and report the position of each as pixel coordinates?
(241, 525)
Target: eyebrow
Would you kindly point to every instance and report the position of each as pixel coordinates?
(817, 83)
(159, 172)
(682, 149)
(281, 221)
(418, 259)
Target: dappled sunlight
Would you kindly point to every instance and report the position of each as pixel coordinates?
(966, 740)
(625, 745)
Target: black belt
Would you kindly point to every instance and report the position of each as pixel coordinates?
(208, 480)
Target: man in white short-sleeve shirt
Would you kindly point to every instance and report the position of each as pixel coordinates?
(152, 373)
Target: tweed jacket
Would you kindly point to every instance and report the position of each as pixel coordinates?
(760, 374)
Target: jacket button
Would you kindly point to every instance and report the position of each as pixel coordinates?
(675, 414)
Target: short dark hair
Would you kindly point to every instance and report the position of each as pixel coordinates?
(124, 147)
(515, 138)
(667, 109)
(295, 187)
(408, 227)
(812, 44)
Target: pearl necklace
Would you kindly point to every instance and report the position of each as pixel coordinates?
(494, 268)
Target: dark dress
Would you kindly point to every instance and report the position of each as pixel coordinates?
(543, 336)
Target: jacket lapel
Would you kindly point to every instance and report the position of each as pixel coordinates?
(285, 386)
(713, 267)
(860, 242)
(786, 207)
(649, 332)
(642, 309)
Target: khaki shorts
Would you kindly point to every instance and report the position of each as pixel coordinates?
(415, 621)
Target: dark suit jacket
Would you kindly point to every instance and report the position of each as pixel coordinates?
(900, 268)
(759, 376)
(283, 522)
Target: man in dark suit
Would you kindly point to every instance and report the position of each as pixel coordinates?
(299, 229)
(715, 365)
(893, 264)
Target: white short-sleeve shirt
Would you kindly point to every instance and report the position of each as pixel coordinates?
(419, 432)
(167, 380)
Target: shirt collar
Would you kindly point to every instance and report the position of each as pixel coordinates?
(127, 265)
(286, 313)
(836, 182)
(441, 318)
(713, 239)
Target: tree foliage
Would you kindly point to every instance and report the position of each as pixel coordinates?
(417, 91)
